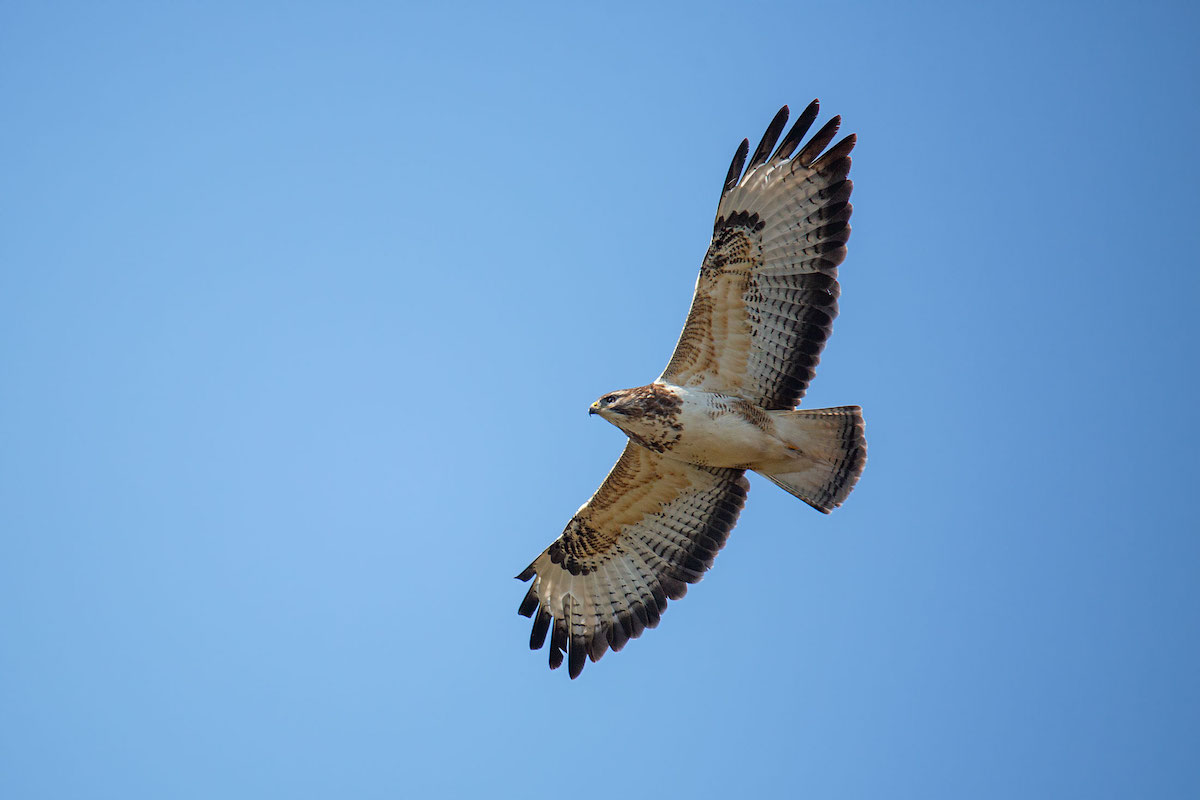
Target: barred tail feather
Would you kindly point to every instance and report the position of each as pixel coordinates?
(830, 451)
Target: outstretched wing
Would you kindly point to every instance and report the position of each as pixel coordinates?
(767, 292)
(654, 526)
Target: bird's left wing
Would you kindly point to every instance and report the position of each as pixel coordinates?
(654, 526)
(767, 291)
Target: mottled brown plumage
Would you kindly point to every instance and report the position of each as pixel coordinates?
(763, 308)
(767, 296)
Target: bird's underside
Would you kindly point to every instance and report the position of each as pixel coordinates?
(763, 308)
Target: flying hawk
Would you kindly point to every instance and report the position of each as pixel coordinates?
(763, 308)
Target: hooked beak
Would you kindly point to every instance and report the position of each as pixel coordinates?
(594, 408)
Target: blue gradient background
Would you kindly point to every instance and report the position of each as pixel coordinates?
(302, 306)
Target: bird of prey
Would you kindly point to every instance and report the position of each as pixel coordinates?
(763, 308)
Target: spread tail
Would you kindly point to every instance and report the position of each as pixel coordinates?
(829, 452)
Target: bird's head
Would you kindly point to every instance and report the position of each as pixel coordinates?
(648, 414)
(613, 404)
(627, 406)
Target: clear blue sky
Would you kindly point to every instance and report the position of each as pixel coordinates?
(302, 306)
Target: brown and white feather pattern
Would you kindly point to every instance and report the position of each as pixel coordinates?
(762, 310)
(767, 292)
(654, 526)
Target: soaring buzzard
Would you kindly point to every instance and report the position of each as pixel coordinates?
(763, 308)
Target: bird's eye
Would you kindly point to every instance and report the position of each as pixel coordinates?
(608, 398)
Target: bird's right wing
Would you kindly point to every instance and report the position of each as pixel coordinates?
(654, 526)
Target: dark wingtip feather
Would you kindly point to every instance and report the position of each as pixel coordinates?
(819, 142)
(576, 657)
(541, 626)
(837, 152)
(530, 603)
(598, 646)
(799, 128)
(618, 634)
(558, 644)
(735, 167)
(653, 616)
(674, 587)
(770, 137)
(618, 640)
(639, 614)
(527, 573)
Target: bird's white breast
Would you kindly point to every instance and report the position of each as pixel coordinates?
(723, 431)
